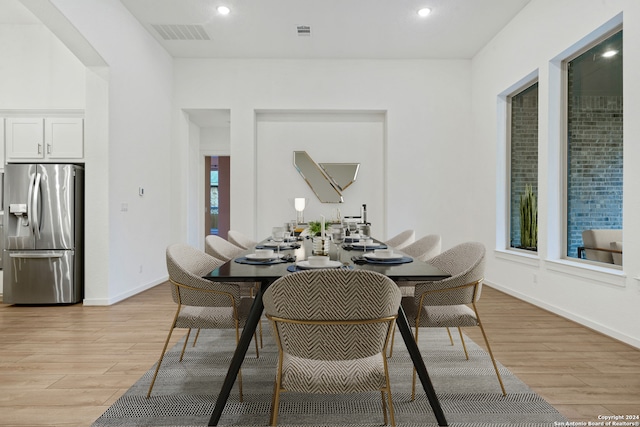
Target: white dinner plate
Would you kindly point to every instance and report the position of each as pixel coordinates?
(379, 257)
(256, 257)
(275, 244)
(306, 266)
(368, 245)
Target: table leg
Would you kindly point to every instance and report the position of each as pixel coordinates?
(421, 369)
(238, 357)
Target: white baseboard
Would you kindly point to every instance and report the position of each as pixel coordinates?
(568, 315)
(125, 295)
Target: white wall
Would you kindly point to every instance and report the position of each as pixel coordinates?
(138, 113)
(336, 137)
(604, 299)
(38, 72)
(426, 104)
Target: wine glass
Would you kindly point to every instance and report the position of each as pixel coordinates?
(277, 234)
(337, 235)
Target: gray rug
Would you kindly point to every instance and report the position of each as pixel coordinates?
(469, 393)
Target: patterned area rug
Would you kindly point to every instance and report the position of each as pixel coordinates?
(469, 393)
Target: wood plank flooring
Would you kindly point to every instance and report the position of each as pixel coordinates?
(65, 365)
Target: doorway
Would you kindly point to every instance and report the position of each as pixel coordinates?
(217, 190)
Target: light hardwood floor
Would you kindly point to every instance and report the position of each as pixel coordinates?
(65, 365)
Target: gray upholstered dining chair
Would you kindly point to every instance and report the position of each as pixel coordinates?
(425, 247)
(241, 240)
(224, 250)
(422, 249)
(332, 328)
(402, 239)
(451, 302)
(220, 248)
(202, 304)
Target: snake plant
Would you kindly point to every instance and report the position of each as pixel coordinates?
(528, 218)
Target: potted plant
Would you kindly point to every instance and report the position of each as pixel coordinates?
(314, 228)
(528, 220)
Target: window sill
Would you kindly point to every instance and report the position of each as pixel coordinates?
(611, 276)
(519, 256)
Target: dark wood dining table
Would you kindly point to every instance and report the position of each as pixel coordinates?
(266, 274)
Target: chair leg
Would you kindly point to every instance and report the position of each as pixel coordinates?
(186, 340)
(239, 370)
(384, 407)
(393, 335)
(463, 345)
(493, 360)
(275, 403)
(164, 350)
(450, 337)
(392, 414)
(413, 382)
(386, 394)
(255, 337)
(195, 340)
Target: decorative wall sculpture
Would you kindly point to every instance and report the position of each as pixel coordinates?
(327, 180)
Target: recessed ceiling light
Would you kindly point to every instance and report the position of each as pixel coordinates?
(610, 53)
(424, 12)
(223, 10)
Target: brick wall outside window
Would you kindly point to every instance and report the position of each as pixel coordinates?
(595, 154)
(524, 152)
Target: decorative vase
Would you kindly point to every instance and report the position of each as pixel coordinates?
(320, 246)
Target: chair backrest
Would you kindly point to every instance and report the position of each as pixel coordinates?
(402, 239)
(425, 248)
(465, 263)
(220, 248)
(186, 266)
(600, 239)
(239, 239)
(323, 297)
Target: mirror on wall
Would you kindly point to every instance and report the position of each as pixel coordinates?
(327, 180)
(342, 174)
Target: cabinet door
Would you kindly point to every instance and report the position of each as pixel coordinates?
(25, 138)
(2, 139)
(64, 138)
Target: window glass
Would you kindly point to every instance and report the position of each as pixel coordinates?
(524, 168)
(595, 150)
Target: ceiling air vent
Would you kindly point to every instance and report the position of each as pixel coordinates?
(181, 32)
(304, 30)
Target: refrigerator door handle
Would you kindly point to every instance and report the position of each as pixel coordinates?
(36, 255)
(35, 217)
(27, 221)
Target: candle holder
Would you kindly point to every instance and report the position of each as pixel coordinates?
(321, 245)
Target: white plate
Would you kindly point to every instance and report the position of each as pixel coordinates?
(256, 257)
(275, 244)
(368, 245)
(356, 236)
(306, 266)
(378, 257)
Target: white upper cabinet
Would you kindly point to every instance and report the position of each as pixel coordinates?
(64, 138)
(2, 134)
(51, 138)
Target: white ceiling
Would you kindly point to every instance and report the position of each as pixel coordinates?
(339, 28)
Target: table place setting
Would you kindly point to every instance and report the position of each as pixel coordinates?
(265, 257)
(315, 263)
(381, 256)
(363, 245)
(283, 245)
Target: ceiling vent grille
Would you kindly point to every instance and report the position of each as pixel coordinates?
(181, 32)
(304, 30)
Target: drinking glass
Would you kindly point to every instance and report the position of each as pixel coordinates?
(277, 234)
(337, 235)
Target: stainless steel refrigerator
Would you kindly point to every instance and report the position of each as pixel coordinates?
(43, 259)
